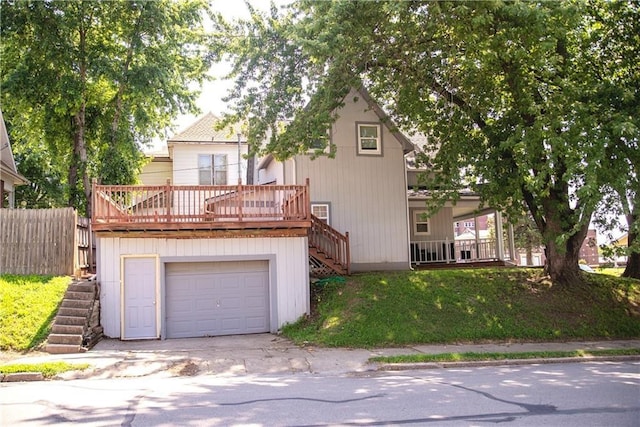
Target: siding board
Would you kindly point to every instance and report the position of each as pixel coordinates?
(367, 193)
(290, 254)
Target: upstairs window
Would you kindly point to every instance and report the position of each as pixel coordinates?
(212, 169)
(369, 139)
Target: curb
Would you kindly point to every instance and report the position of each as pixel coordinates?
(504, 362)
(22, 377)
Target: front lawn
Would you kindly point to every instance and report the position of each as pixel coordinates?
(47, 369)
(472, 305)
(28, 305)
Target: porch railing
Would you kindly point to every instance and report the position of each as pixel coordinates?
(448, 250)
(197, 204)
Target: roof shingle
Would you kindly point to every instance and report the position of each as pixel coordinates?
(203, 130)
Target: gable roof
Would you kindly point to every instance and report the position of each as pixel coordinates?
(7, 162)
(204, 131)
(407, 146)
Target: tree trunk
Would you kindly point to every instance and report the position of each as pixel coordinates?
(633, 257)
(562, 259)
(78, 167)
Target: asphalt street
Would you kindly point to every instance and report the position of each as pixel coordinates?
(597, 393)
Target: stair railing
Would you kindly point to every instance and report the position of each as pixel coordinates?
(330, 242)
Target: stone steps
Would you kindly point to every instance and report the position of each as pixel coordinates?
(67, 329)
(75, 303)
(71, 339)
(76, 327)
(63, 348)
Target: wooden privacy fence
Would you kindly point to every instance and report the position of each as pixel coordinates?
(44, 241)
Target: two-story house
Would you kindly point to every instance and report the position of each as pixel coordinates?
(193, 252)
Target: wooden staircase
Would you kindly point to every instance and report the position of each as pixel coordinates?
(76, 327)
(329, 253)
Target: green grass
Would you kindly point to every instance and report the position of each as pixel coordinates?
(473, 305)
(28, 305)
(611, 271)
(48, 369)
(471, 356)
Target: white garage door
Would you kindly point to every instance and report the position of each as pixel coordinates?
(216, 298)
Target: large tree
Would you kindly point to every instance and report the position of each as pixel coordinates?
(498, 87)
(95, 79)
(614, 62)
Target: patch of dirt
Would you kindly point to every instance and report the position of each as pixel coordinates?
(185, 368)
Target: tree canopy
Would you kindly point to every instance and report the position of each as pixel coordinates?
(614, 64)
(86, 83)
(501, 89)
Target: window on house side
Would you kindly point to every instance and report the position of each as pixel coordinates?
(421, 223)
(212, 169)
(369, 141)
(321, 210)
(319, 145)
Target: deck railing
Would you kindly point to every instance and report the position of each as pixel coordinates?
(202, 206)
(448, 250)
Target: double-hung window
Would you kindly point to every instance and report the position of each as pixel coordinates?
(421, 223)
(321, 211)
(369, 138)
(212, 169)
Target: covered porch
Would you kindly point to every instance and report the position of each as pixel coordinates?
(459, 234)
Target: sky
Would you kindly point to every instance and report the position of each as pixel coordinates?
(212, 92)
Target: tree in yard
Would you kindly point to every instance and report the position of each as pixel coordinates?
(90, 81)
(498, 86)
(614, 63)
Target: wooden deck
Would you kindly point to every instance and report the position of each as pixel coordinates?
(200, 207)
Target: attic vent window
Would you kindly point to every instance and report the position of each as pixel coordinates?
(369, 137)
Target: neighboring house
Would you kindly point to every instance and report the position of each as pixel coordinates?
(589, 249)
(588, 253)
(481, 223)
(620, 242)
(193, 253)
(10, 178)
(200, 155)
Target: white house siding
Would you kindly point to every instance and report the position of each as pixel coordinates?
(367, 194)
(288, 268)
(156, 172)
(440, 224)
(185, 162)
(272, 172)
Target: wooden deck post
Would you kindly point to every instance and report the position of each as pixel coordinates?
(169, 199)
(240, 200)
(307, 200)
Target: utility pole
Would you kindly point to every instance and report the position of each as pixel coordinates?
(239, 161)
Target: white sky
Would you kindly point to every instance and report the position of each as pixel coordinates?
(212, 92)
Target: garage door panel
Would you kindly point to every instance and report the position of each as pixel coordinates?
(222, 298)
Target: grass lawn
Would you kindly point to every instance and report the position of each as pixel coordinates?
(28, 305)
(611, 271)
(470, 356)
(48, 369)
(472, 305)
